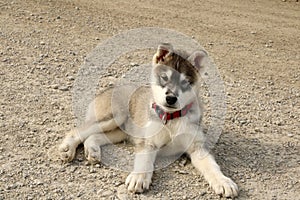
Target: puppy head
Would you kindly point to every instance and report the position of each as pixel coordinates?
(175, 75)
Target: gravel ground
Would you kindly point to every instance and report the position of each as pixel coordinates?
(255, 45)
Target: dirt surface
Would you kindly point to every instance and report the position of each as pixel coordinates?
(255, 45)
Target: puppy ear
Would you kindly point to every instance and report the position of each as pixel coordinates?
(163, 51)
(197, 59)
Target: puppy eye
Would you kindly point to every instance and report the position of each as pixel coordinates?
(185, 83)
(164, 77)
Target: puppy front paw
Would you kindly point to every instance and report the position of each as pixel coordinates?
(224, 186)
(138, 182)
(92, 154)
(67, 150)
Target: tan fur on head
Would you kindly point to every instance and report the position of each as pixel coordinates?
(164, 52)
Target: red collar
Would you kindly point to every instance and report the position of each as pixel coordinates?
(165, 116)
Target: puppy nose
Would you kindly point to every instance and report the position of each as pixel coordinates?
(171, 100)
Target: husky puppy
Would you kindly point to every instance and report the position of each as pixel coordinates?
(166, 114)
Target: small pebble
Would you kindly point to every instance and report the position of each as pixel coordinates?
(243, 122)
(182, 172)
(203, 193)
(38, 182)
(268, 45)
(63, 88)
(55, 86)
(71, 78)
(98, 165)
(134, 64)
(106, 193)
(110, 84)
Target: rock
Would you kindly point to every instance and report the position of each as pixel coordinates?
(106, 193)
(92, 170)
(98, 165)
(203, 193)
(79, 194)
(55, 86)
(73, 169)
(182, 172)
(11, 187)
(290, 135)
(71, 78)
(278, 123)
(110, 84)
(134, 64)
(38, 182)
(242, 122)
(63, 88)
(268, 45)
(256, 129)
(182, 163)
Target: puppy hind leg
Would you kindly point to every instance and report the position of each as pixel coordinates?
(67, 148)
(104, 123)
(92, 145)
